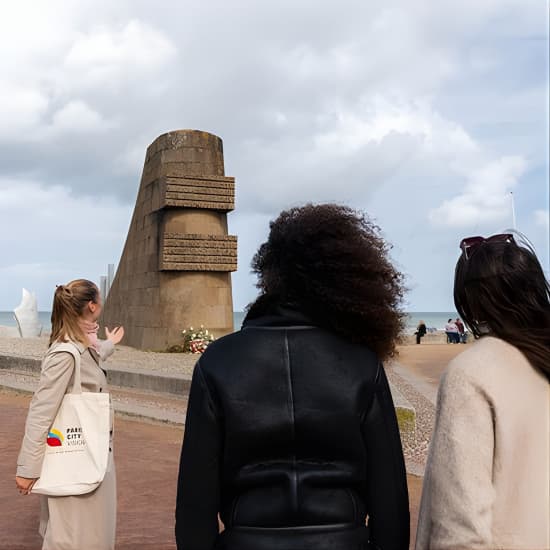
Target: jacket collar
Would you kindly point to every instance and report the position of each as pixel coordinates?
(279, 316)
(78, 345)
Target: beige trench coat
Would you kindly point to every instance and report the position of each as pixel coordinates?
(83, 522)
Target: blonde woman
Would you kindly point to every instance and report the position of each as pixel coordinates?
(83, 522)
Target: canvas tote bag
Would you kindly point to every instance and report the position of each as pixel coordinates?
(77, 447)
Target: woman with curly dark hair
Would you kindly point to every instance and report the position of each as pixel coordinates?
(291, 434)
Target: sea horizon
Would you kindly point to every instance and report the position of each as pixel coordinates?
(434, 320)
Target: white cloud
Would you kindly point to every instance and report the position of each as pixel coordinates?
(485, 199)
(61, 74)
(107, 56)
(130, 160)
(21, 110)
(542, 218)
(37, 214)
(77, 116)
(351, 152)
(376, 118)
(54, 236)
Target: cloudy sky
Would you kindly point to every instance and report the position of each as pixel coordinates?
(425, 114)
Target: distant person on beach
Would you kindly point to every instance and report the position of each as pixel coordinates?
(420, 331)
(291, 434)
(461, 330)
(451, 330)
(487, 480)
(84, 521)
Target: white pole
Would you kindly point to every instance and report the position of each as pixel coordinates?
(513, 211)
(103, 287)
(110, 277)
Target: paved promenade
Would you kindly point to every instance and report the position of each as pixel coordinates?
(147, 455)
(426, 363)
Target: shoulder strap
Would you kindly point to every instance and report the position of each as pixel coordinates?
(69, 347)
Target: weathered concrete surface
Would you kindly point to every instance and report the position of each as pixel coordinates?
(26, 364)
(175, 268)
(177, 384)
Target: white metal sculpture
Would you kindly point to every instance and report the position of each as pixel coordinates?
(26, 315)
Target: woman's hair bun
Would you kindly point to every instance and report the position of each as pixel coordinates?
(65, 289)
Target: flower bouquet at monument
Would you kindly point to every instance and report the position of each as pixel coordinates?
(196, 341)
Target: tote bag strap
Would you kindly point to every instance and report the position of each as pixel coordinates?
(75, 352)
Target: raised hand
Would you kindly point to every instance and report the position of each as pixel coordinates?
(116, 335)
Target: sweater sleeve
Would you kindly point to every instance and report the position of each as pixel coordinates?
(386, 484)
(458, 495)
(55, 376)
(198, 495)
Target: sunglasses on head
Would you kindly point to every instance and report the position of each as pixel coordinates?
(470, 244)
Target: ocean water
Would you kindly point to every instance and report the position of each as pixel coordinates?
(8, 320)
(435, 320)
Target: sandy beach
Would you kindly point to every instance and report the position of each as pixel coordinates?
(138, 526)
(428, 361)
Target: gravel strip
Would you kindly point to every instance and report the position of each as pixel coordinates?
(415, 444)
(124, 357)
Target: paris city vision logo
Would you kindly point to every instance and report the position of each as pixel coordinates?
(71, 438)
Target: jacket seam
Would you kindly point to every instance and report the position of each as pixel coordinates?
(363, 414)
(294, 480)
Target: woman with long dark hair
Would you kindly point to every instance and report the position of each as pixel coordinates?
(291, 434)
(487, 482)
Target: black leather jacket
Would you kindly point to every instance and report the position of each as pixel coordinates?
(291, 436)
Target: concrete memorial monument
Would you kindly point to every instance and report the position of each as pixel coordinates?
(175, 270)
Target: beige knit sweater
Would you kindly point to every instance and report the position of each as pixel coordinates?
(487, 481)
